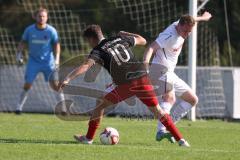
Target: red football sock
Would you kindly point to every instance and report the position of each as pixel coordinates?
(167, 121)
(93, 125)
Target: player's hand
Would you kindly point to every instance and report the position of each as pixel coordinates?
(206, 16)
(62, 84)
(19, 58)
(56, 64)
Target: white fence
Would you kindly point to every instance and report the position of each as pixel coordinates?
(43, 100)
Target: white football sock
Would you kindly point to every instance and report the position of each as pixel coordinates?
(22, 100)
(180, 111)
(61, 96)
(166, 106)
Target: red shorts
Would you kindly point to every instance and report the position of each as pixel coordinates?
(141, 87)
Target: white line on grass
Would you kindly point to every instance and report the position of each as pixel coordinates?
(175, 149)
(125, 146)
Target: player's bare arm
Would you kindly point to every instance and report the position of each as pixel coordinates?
(206, 16)
(151, 49)
(139, 40)
(57, 51)
(78, 71)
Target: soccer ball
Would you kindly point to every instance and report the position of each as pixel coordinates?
(109, 136)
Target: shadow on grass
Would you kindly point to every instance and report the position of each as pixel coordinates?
(35, 141)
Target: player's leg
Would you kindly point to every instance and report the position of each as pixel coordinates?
(94, 122)
(113, 96)
(30, 75)
(117, 95)
(51, 76)
(23, 97)
(167, 121)
(148, 97)
(166, 104)
(189, 100)
(190, 97)
(129, 101)
(59, 95)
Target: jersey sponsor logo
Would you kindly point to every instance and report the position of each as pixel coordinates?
(168, 37)
(37, 41)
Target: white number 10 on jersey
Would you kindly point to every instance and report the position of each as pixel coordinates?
(117, 55)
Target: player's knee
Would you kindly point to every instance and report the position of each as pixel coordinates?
(55, 88)
(54, 85)
(157, 111)
(27, 86)
(103, 103)
(194, 100)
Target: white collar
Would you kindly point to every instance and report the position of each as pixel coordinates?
(101, 40)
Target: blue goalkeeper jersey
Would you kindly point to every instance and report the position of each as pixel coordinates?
(40, 43)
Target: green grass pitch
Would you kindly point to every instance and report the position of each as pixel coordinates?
(39, 136)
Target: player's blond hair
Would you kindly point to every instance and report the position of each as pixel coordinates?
(41, 9)
(187, 20)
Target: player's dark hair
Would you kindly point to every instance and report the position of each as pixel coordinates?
(93, 31)
(41, 9)
(187, 20)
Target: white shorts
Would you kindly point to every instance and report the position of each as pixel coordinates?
(179, 86)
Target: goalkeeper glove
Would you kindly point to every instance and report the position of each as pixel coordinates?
(19, 58)
(56, 64)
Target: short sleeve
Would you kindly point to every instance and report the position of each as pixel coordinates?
(95, 55)
(55, 38)
(25, 35)
(129, 39)
(164, 40)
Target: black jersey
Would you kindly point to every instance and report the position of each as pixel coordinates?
(115, 55)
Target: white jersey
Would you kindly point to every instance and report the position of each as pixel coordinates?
(170, 43)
